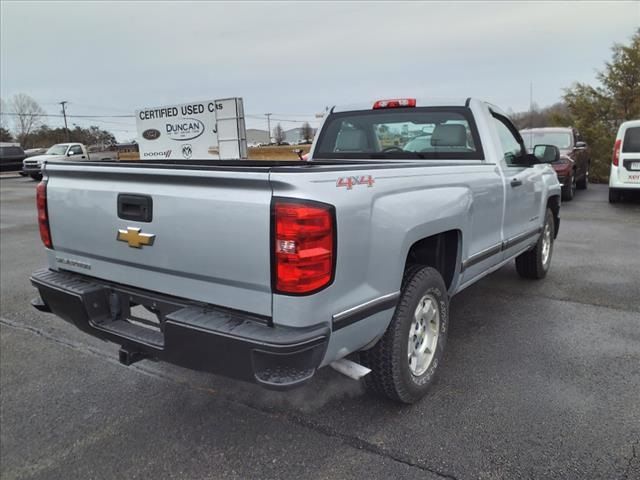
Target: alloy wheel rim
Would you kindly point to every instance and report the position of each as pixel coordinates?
(423, 335)
(546, 244)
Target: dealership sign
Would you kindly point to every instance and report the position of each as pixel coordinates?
(206, 130)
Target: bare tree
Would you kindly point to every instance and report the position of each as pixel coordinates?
(278, 134)
(27, 115)
(306, 132)
(4, 118)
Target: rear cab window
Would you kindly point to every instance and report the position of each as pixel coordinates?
(631, 142)
(400, 134)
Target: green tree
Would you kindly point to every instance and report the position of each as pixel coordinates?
(597, 111)
(92, 136)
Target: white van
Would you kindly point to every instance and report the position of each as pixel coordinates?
(625, 164)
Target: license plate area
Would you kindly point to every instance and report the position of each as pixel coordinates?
(136, 317)
(635, 166)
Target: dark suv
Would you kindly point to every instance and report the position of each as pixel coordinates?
(573, 166)
(11, 157)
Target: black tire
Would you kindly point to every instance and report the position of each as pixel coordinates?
(531, 264)
(583, 183)
(36, 176)
(614, 195)
(569, 188)
(391, 374)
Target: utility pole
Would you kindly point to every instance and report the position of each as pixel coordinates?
(268, 115)
(531, 105)
(64, 114)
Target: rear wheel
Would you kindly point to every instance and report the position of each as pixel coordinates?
(584, 182)
(569, 188)
(614, 195)
(404, 361)
(535, 263)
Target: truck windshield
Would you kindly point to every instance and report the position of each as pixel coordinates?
(57, 150)
(401, 133)
(561, 140)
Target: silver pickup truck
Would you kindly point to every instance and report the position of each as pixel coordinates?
(268, 270)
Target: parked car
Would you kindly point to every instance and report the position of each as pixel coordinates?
(625, 164)
(575, 157)
(32, 166)
(11, 157)
(268, 270)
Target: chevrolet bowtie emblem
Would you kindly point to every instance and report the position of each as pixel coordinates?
(134, 238)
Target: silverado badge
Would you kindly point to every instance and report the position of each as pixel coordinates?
(134, 238)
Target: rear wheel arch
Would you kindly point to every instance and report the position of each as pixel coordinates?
(440, 251)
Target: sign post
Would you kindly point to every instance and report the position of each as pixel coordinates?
(208, 130)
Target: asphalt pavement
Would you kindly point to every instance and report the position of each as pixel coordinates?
(541, 379)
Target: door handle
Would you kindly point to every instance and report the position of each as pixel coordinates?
(516, 183)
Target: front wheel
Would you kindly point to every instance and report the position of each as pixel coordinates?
(404, 361)
(36, 176)
(569, 188)
(535, 263)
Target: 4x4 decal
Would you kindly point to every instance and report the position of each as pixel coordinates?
(350, 182)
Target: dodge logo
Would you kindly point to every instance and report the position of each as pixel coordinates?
(186, 151)
(151, 134)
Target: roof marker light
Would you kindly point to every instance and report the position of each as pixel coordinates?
(395, 103)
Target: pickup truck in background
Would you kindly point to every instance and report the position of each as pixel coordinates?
(268, 270)
(32, 166)
(572, 167)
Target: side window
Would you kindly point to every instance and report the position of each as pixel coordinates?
(512, 149)
(76, 150)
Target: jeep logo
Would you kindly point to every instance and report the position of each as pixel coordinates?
(151, 134)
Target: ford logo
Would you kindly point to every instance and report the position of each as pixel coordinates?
(151, 134)
(184, 129)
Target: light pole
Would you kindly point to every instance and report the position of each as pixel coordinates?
(268, 115)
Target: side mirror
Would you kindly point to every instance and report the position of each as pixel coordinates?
(546, 153)
(69, 153)
(581, 145)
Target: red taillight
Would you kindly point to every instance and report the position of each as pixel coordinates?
(616, 152)
(304, 246)
(43, 218)
(395, 103)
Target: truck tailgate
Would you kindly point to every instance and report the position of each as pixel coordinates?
(210, 228)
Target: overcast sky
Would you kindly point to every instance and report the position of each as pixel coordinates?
(293, 59)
